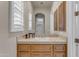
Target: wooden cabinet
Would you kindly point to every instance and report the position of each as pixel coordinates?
(41, 50)
(23, 53)
(60, 17)
(40, 47)
(60, 50)
(40, 53)
(59, 54)
(23, 50)
(59, 47)
(23, 47)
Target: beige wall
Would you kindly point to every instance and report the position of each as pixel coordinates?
(8, 39)
(46, 12)
(4, 29)
(7, 44)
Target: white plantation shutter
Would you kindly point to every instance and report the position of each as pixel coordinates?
(30, 22)
(17, 10)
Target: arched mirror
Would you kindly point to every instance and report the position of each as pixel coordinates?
(40, 23)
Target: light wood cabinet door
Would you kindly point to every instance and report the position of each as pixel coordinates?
(40, 54)
(23, 47)
(23, 54)
(40, 47)
(59, 54)
(59, 47)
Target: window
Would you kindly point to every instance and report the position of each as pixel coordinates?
(17, 10)
(40, 24)
(30, 22)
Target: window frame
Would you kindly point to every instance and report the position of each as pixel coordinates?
(19, 26)
(36, 16)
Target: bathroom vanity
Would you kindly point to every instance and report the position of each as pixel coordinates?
(45, 50)
(42, 47)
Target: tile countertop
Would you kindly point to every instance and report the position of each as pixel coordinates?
(42, 40)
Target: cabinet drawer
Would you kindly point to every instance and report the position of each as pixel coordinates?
(23, 47)
(23, 54)
(40, 47)
(59, 54)
(59, 47)
(40, 54)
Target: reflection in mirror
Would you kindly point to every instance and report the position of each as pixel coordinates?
(40, 23)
